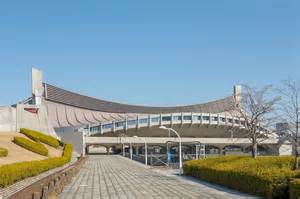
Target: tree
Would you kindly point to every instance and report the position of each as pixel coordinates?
(256, 106)
(290, 109)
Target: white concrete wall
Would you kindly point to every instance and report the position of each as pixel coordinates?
(286, 149)
(7, 119)
(34, 121)
(68, 135)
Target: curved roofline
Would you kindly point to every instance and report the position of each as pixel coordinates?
(59, 95)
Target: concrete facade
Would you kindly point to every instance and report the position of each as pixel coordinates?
(8, 119)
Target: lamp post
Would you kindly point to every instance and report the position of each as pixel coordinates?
(180, 154)
(146, 151)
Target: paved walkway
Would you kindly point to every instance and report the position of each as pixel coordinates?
(118, 177)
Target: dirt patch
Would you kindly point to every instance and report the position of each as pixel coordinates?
(19, 154)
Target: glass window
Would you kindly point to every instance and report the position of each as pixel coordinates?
(118, 124)
(155, 119)
(195, 117)
(177, 117)
(230, 120)
(237, 121)
(144, 121)
(205, 117)
(215, 118)
(223, 119)
(95, 129)
(107, 126)
(187, 117)
(166, 118)
(131, 122)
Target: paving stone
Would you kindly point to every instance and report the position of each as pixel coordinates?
(117, 177)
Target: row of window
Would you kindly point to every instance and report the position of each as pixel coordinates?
(164, 119)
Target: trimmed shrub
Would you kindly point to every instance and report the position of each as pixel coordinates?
(295, 189)
(264, 176)
(35, 147)
(3, 152)
(12, 173)
(40, 137)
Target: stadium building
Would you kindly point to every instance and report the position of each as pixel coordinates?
(88, 123)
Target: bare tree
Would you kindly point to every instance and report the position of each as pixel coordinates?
(290, 108)
(257, 106)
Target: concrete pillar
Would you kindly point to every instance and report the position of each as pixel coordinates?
(137, 150)
(149, 121)
(123, 149)
(101, 129)
(83, 143)
(137, 122)
(221, 151)
(237, 93)
(146, 154)
(130, 150)
(113, 126)
(126, 123)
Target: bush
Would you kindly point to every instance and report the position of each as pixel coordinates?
(40, 137)
(12, 173)
(295, 189)
(264, 176)
(3, 152)
(35, 147)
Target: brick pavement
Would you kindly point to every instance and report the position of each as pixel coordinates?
(117, 177)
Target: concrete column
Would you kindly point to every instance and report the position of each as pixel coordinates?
(113, 126)
(237, 93)
(181, 118)
(137, 150)
(89, 130)
(221, 151)
(101, 129)
(146, 154)
(201, 121)
(123, 150)
(130, 150)
(83, 144)
(149, 121)
(160, 122)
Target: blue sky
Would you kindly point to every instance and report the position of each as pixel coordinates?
(148, 52)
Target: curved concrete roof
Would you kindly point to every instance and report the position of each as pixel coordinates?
(58, 95)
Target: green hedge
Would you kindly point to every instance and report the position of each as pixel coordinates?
(35, 147)
(40, 137)
(295, 189)
(264, 176)
(12, 173)
(3, 152)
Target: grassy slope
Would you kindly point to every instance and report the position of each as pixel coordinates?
(19, 154)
